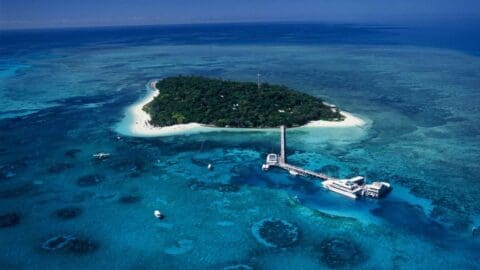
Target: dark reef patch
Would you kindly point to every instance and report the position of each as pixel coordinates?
(90, 180)
(199, 185)
(17, 191)
(129, 199)
(9, 220)
(60, 167)
(408, 217)
(68, 212)
(72, 153)
(275, 233)
(70, 244)
(133, 168)
(452, 207)
(10, 170)
(340, 252)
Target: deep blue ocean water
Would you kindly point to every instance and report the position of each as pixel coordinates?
(62, 92)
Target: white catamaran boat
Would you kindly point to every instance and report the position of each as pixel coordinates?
(351, 188)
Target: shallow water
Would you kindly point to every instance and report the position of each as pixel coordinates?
(61, 100)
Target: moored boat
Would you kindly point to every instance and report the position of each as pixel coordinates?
(101, 155)
(351, 188)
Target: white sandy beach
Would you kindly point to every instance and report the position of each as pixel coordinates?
(349, 121)
(136, 121)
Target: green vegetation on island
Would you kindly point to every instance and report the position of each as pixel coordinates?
(188, 99)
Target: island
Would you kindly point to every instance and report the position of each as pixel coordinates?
(232, 104)
(192, 104)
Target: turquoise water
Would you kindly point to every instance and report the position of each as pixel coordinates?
(63, 93)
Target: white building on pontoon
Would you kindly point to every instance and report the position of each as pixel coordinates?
(376, 189)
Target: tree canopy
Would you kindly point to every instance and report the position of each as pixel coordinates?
(222, 103)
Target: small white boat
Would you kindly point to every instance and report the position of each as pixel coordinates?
(294, 173)
(296, 199)
(210, 166)
(158, 214)
(101, 155)
(265, 167)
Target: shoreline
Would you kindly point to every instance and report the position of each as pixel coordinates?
(136, 121)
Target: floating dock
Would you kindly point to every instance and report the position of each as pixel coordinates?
(352, 187)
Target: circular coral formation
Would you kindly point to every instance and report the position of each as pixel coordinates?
(340, 252)
(275, 233)
(57, 242)
(9, 220)
(68, 212)
(90, 180)
(70, 244)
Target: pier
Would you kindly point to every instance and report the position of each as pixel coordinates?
(283, 142)
(351, 187)
(302, 171)
(280, 161)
